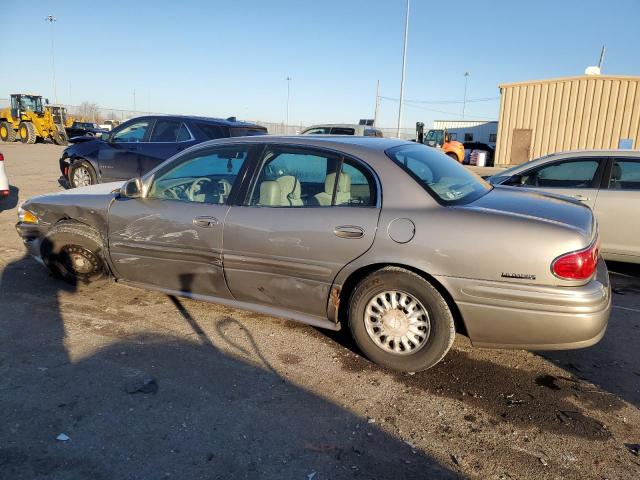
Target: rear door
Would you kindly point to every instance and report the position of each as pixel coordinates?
(299, 224)
(168, 137)
(578, 178)
(118, 157)
(618, 209)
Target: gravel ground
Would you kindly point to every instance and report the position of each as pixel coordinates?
(147, 386)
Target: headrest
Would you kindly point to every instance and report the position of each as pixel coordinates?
(270, 193)
(289, 186)
(344, 183)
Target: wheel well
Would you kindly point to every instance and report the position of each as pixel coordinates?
(353, 280)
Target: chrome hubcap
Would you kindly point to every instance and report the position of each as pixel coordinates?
(81, 177)
(397, 322)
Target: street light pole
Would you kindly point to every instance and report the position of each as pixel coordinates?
(288, 97)
(404, 61)
(375, 113)
(464, 101)
(51, 19)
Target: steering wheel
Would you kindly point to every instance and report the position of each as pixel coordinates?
(196, 184)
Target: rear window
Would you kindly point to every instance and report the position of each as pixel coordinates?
(444, 178)
(247, 131)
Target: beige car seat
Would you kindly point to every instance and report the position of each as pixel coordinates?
(289, 191)
(343, 194)
(270, 194)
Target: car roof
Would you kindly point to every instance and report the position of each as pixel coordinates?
(349, 144)
(213, 120)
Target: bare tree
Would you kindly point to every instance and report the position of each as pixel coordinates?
(88, 111)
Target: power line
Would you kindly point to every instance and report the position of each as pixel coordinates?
(455, 114)
(445, 102)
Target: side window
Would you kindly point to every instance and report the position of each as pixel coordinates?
(207, 177)
(169, 131)
(343, 131)
(212, 131)
(468, 137)
(132, 133)
(318, 131)
(356, 187)
(568, 174)
(295, 177)
(625, 175)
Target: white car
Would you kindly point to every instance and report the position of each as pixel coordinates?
(4, 181)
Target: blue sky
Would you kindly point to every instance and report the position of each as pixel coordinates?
(231, 58)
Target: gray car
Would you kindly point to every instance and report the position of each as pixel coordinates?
(391, 239)
(608, 181)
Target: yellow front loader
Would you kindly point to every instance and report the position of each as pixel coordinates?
(29, 121)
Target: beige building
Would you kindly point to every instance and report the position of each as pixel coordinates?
(584, 112)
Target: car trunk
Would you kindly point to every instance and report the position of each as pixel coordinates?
(540, 206)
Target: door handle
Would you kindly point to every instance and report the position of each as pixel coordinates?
(205, 222)
(348, 231)
(582, 198)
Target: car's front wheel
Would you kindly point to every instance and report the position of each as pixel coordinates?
(74, 253)
(400, 320)
(81, 174)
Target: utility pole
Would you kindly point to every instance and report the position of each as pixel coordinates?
(464, 101)
(51, 19)
(601, 58)
(288, 97)
(404, 61)
(375, 112)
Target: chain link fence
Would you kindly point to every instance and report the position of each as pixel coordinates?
(89, 112)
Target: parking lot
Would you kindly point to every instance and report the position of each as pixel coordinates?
(150, 386)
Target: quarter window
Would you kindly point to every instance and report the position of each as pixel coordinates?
(343, 131)
(212, 131)
(625, 175)
(207, 177)
(569, 174)
(131, 133)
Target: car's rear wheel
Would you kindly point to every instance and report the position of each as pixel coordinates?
(74, 253)
(400, 321)
(82, 174)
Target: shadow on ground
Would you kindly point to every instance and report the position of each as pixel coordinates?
(12, 200)
(206, 414)
(612, 364)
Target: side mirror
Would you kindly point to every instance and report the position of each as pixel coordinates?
(132, 189)
(46, 101)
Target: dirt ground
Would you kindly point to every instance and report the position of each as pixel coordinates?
(146, 386)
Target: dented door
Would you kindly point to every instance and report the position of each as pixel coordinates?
(168, 244)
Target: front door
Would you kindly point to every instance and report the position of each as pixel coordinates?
(520, 146)
(118, 158)
(172, 238)
(306, 215)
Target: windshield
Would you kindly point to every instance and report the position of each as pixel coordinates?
(32, 104)
(434, 137)
(445, 179)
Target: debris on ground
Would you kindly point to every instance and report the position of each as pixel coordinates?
(633, 448)
(147, 385)
(63, 438)
(455, 458)
(311, 476)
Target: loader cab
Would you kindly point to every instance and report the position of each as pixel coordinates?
(26, 103)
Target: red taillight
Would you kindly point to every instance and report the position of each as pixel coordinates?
(578, 265)
(1, 158)
(4, 193)
(66, 171)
